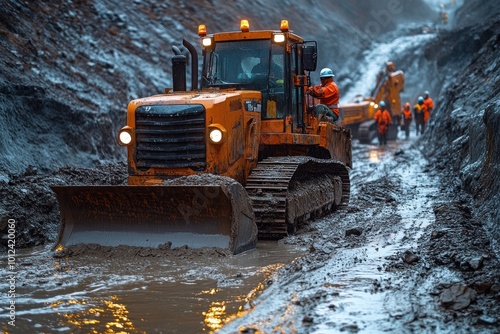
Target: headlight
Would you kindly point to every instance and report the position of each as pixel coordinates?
(279, 38)
(125, 136)
(207, 41)
(217, 133)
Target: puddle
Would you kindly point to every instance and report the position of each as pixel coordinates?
(170, 295)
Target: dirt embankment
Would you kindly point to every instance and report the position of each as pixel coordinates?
(28, 199)
(464, 131)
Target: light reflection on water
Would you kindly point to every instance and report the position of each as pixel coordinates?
(92, 294)
(111, 317)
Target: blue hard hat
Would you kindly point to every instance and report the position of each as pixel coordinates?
(382, 104)
(420, 99)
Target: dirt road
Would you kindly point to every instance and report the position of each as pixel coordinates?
(405, 257)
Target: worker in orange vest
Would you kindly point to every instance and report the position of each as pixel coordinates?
(407, 119)
(428, 107)
(383, 119)
(328, 94)
(418, 110)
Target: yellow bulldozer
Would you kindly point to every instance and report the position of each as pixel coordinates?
(241, 157)
(357, 115)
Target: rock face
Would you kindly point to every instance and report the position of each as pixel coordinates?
(464, 130)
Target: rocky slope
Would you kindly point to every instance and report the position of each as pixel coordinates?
(464, 131)
(68, 71)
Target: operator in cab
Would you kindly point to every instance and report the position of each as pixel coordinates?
(275, 71)
(328, 94)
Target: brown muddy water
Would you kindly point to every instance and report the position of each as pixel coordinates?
(187, 293)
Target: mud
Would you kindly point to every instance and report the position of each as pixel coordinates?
(28, 199)
(406, 255)
(137, 290)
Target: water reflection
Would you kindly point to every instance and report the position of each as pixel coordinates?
(373, 156)
(219, 313)
(216, 316)
(111, 317)
(180, 293)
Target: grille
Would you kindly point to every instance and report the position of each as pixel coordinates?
(170, 136)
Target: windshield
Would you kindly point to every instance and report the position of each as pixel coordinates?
(254, 64)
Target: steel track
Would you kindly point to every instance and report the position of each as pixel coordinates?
(277, 180)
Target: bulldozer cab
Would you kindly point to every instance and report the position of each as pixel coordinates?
(244, 64)
(249, 65)
(276, 69)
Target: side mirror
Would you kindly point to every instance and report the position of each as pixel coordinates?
(310, 57)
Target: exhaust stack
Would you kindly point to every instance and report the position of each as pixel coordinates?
(179, 65)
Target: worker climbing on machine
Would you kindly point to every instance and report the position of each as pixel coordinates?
(418, 110)
(328, 94)
(407, 117)
(383, 119)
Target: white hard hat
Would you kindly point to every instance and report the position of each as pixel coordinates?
(326, 73)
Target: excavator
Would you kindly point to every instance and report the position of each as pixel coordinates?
(357, 115)
(243, 157)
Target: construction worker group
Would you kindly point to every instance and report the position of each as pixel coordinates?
(328, 94)
(421, 113)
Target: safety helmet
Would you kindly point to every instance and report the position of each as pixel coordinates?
(426, 93)
(407, 105)
(382, 104)
(326, 73)
(420, 99)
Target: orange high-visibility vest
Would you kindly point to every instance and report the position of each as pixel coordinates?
(328, 95)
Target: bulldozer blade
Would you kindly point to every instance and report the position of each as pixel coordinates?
(150, 216)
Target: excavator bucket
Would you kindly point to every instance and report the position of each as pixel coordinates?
(150, 216)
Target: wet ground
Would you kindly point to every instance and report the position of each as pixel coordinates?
(132, 290)
(404, 256)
